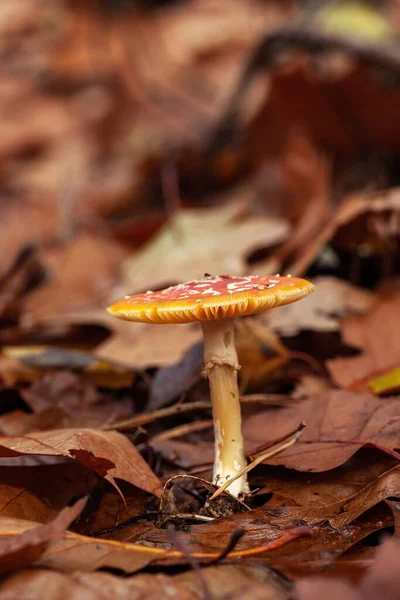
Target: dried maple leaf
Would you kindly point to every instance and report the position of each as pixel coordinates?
(109, 454)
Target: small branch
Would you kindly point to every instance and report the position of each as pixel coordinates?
(145, 418)
(279, 440)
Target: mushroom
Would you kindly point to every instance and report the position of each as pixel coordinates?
(215, 302)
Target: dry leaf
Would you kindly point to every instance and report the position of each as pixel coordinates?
(80, 404)
(381, 581)
(332, 300)
(39, 493)
(109, 454)
(199, 241)
(376, 334)
(82, 274)
(20, 549)
(42, 584)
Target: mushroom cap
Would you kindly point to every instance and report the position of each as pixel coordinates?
(211, 298)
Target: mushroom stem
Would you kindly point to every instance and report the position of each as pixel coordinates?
(221, 366)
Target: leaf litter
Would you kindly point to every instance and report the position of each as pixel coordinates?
(145, 145)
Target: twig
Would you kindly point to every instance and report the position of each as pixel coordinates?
(256, 462)
(154, 513)
(161, 413)
(181, 430)
(279, 440)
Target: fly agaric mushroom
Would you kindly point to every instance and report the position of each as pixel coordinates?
(215, 302)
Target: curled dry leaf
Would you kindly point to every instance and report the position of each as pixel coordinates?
(108, 453)
(20, 549)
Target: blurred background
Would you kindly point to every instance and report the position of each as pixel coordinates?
(143, 143)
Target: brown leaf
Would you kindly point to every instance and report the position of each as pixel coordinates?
(199, 240)
(136, 345)
(264, 524)
(377, 334)
(381, 581)
(338, 424)
(80, 404)
(222, 580)
(332, 300)
(82, 273)
(20, 549)
(109, 454)
(171, 382)
(39, 493)
(319, 490)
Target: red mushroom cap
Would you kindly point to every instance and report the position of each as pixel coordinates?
(211, 298)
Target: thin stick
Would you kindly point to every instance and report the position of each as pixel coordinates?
(283, 438)
(256, 462)
(181, 430)
(161, 413)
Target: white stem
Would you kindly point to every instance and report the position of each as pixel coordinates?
(221, 365)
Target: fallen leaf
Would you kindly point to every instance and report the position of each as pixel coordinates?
(81, 274)
(381, 581)
(40, 493)
(263, 524)
(21, 549)
(105, 374)
(221, 580)
(135, 345)
(108, 453)
(197, 241)
(338, 423)
(171, 382)
(332, 300)
(73, 551)
(80, 404)
(376, 334)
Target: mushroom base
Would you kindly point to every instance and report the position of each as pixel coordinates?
(221, 366)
